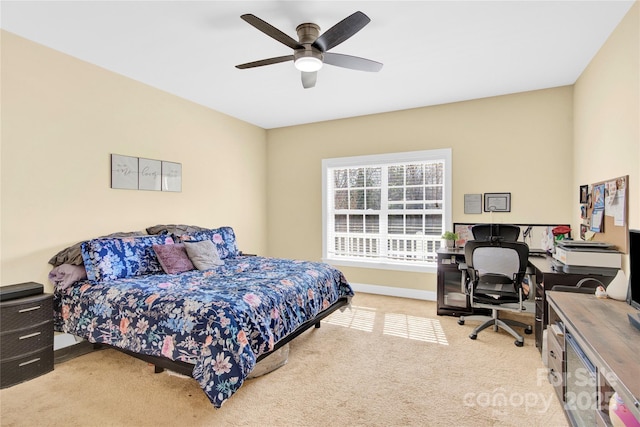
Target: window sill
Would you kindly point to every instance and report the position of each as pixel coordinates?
(382, 265)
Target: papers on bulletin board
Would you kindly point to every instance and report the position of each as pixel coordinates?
(615, 201)
(596, 220)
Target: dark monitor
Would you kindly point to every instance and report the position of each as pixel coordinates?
(633, 297)
(496, 232)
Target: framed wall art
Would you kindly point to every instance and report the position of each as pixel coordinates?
(171, 176)
(124, 172)
(473, 203)
(497, 202)
(149, 174)
(584, 193)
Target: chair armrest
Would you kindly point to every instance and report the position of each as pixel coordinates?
(463, 278)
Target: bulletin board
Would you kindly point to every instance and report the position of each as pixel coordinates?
(609, 200)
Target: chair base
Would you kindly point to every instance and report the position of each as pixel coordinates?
(505, 324)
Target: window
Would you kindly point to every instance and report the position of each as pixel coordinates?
(386, 211)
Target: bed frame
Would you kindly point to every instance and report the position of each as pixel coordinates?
(161, 363)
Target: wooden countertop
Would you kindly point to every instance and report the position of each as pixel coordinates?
(603, 331)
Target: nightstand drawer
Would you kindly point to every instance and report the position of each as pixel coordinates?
(20, 341)
(26, 367)
(24, 312)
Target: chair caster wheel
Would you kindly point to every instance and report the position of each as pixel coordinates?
(460, 321)
(528, 330)
(519, 343)
(473, 336)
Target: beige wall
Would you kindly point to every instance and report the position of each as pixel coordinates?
(61, 120)
(519, 143)
(607, 115)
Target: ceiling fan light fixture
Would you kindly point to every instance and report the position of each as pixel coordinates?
(308, 64)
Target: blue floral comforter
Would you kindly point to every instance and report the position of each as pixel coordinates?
(220, 320)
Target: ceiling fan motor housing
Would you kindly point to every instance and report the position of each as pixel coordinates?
(307, 34)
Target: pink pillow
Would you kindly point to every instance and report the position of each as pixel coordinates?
(173, 258)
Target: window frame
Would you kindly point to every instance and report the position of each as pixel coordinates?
(444, 154)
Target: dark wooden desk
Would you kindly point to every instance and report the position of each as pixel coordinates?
(453, 301)
(602, 330)
(546, 278)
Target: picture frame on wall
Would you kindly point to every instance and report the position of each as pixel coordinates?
(497, 202)
(584, 193)
(150, 174)
(171, 176)
(473, 203)
(124, 172)
(583, 231)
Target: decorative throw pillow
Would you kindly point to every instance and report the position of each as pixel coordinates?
(64, 275)
(203, 254)
(111, 259)
(73, 254)
(224, 238)
(173, 258)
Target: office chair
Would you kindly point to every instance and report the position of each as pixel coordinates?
(496, 271)
(491, 232)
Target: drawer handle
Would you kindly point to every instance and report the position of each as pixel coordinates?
(538, 298)
(552, 354)
(29, 362)
(24, 310)
(24, 337)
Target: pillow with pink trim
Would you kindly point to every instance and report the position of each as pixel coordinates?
(111, 259)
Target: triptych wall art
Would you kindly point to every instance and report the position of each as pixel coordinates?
(136, 173)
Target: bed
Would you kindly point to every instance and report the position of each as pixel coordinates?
(213, 323)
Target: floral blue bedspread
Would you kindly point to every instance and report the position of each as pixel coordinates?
(220, 320)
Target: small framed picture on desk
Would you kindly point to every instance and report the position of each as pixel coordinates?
(497, 202)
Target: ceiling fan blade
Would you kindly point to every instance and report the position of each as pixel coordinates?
(352, 62)
(309, 79)
(263, 62)
(341, 31)
(271, 31)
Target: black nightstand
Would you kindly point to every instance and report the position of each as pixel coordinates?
(26, 338)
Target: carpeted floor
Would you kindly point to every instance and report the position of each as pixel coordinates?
(384, 362)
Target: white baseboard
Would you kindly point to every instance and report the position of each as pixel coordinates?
(394, 292)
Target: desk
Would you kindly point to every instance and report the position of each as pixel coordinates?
(546, 278)
(453, 301)
(452, 298)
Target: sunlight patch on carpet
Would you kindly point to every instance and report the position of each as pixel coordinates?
(414, 328)
(355, 317)
(395, 324)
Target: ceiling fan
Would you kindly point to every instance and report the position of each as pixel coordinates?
(310, 52)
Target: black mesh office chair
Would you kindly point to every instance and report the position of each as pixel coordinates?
(496, 271)
(492, 232)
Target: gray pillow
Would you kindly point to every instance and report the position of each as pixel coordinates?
(203, 254)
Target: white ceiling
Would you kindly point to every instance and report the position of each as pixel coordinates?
(434, 52)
